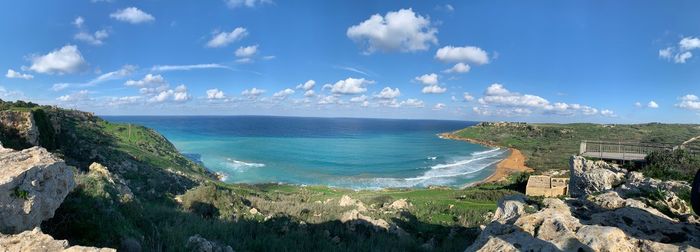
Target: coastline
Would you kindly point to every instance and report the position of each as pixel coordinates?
(515, 162)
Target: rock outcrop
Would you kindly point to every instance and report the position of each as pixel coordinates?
(613, 212)
(33, 184)
(196, 243)
(21, 122)
(35, 240)
(589, 176)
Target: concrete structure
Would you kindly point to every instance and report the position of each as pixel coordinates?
(621, 151)
(542, 185)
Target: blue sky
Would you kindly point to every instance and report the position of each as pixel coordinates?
(544, 61)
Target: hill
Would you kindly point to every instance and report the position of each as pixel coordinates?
(549, 146)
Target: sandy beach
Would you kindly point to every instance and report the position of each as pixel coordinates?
(515, 162)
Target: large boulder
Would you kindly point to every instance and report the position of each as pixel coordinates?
(589, 176)
(35, 240)
(33, 184)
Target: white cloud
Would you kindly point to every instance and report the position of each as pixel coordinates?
(458, 68)
(245, 3)
(132, 15)
(179, 94)
(165, 68)
(96, 38)
(253, 93)
(439, 106)
(59, 86)
(244, 60)
(125, 71)
(309, 93)
(413, 103)
(224, 38)
(12, 74)
(78, 22)
(498, 100)
(468, 97)
(433, 89)
(689, 101)
(246, 51)
(359, 99)
(82, 95)
(148, 80)
(468, 54)
(682, 57)
(283, 94)
(352, 69)
(328, 99)
(401, 30)
(428, 79)
(638, 104)
(215, 94)
(498, 95)
(389, 93)
(607, 113)
(124, 100)
(508, 112)
(652, 104)
(682, 53)
(666, 53)
(349, 86)
(65, 60)
(309, 84)
(689, 43)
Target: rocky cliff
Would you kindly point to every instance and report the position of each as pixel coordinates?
(33, 184)
(21, 125)
(612, 210)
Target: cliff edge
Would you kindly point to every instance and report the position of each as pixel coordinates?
(612, 210)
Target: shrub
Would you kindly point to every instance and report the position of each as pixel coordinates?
(671, 165)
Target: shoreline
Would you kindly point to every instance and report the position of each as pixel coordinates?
(515, 162)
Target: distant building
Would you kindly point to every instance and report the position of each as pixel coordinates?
(543, 185)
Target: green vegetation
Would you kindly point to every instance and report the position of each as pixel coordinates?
(20, 194)
(549, 146)
(671, 165)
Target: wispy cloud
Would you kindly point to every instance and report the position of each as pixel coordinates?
(352, 69)
(165, 68)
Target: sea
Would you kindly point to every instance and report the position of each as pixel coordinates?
(339, 152)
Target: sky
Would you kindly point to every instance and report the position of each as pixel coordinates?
(534, 61)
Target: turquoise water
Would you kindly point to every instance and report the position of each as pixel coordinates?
(343, 152)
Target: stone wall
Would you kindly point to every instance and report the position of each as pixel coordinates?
(542, 185)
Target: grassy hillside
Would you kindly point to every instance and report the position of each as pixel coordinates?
(549, 146)
(155, 196)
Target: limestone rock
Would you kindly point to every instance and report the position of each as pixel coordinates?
(399, 204)
(198, 244)
(509, 208)
(346, 201)
(614, 215)
(593, 176)
(33, 184)
(354, 217)
(23, 123)
(35, 240)
(100, 171)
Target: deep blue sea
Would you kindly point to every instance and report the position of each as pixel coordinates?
(342, 152)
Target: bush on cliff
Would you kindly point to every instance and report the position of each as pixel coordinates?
(671, 165)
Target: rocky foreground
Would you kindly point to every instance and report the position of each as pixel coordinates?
(611, 209)
(33, 184)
